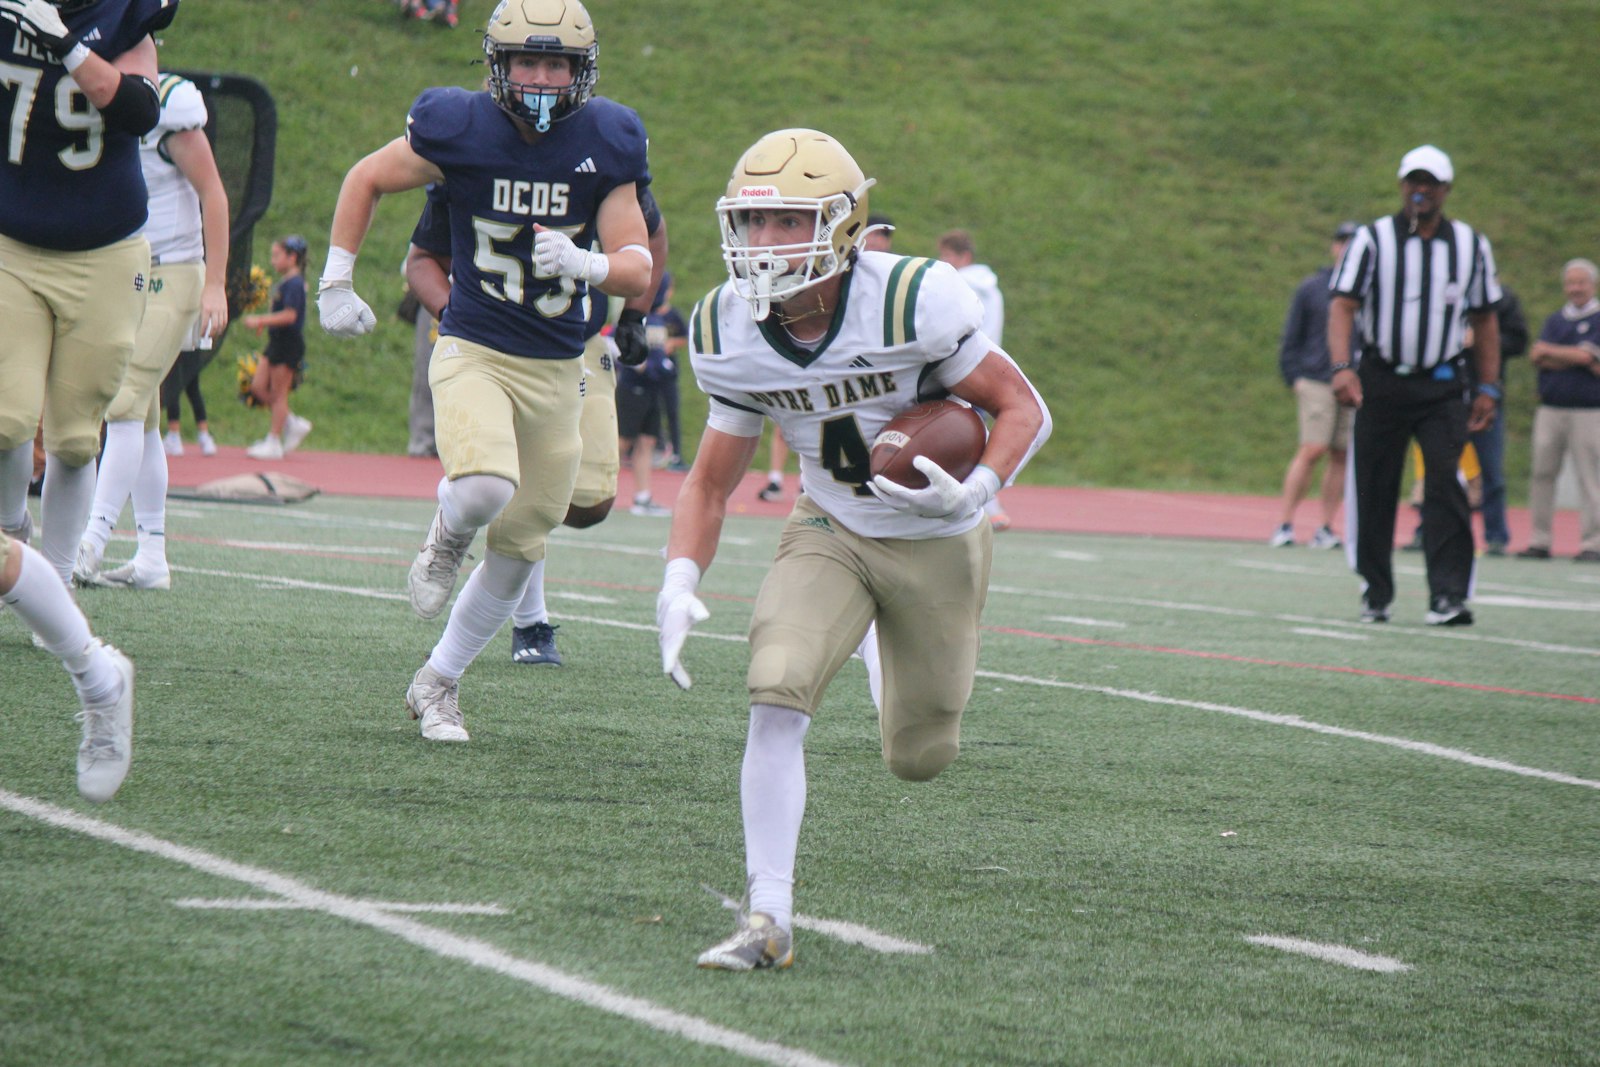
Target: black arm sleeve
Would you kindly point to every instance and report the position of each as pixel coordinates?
(136, 108)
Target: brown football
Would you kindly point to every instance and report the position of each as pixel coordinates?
(949, 433)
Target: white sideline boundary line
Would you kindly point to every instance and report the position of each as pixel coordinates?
(1340, 954)
(1426, 748)
(440, 942)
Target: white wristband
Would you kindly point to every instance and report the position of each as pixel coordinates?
(597, 265)
(682, 576)
(74, 59)
(341, 266)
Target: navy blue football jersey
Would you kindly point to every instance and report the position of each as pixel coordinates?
(67, 182)
(496, 187)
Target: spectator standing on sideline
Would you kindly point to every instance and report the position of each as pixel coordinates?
(956, 248)
(1324, 422)
(73, 264)
(1567, 421)
(187, 303)
(183, 380)
(639, 415)
(1483, 460)
(793, 224)
(879, 238)
(665, 325)
(1490, 442)
(1412, 380)
(284, 360)
(526, 163)
(73, 268)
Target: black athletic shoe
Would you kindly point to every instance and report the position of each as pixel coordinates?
(1447, 612)
(1374, 612)
(535, 644)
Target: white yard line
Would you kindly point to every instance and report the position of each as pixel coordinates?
(1340, 954)
(1338, 635)
(1425, 747)
(258, 904)
(1080, 620)
(440, 942)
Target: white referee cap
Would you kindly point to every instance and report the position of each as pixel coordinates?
(1430, 160)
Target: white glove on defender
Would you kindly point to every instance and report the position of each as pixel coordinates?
(677, 610)
(554, 255)
(343, 313)
(944, 497)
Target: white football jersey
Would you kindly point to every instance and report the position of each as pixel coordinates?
(909, 329)
(173, 228)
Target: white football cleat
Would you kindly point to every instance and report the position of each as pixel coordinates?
(434, 700)
(138, 573)
(107, 748)
(434, 571)
(757, 944)
(86, 570)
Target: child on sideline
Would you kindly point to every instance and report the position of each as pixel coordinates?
(284, 358)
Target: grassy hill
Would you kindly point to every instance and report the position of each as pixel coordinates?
(1149, 180)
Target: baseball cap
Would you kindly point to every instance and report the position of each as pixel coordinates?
(1430, 159)
(880, 220)
(1346, 230)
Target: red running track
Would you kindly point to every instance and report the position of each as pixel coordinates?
(1133, 512)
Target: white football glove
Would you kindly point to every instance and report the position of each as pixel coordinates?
(677, 610)
(944, 497)
(555, 256)
(41, 21)
(343, 313)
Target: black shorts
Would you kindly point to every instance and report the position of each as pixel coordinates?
(639, 410)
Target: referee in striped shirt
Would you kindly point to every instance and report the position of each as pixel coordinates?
(1407, 287)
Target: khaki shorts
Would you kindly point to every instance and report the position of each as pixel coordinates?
(517, 419)
(597, 473)
(70, 319)
(170, 312)
(827, 584)
(1323, 420)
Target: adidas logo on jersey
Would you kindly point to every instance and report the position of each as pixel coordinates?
(586, 167)
(860, 363)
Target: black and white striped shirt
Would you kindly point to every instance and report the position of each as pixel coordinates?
(1415, 292)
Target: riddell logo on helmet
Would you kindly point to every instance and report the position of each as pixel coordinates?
(758, 190)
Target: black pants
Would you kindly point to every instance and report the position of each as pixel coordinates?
(184, 379)
(1395, 409)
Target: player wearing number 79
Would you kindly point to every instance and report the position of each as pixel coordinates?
(534, 169)
(77, 89)
(831, 342)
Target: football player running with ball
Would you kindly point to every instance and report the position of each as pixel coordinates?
(533, 169)
(831, 342)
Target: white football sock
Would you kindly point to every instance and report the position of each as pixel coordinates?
(119, 467)
(483, 606)
(64, 512)
(150, 499)
(16, 471)
(40, 599)
(531, 608)
(772, 794)
(868, 651)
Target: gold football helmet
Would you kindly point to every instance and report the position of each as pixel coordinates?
(792, 170)
(559, 26)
